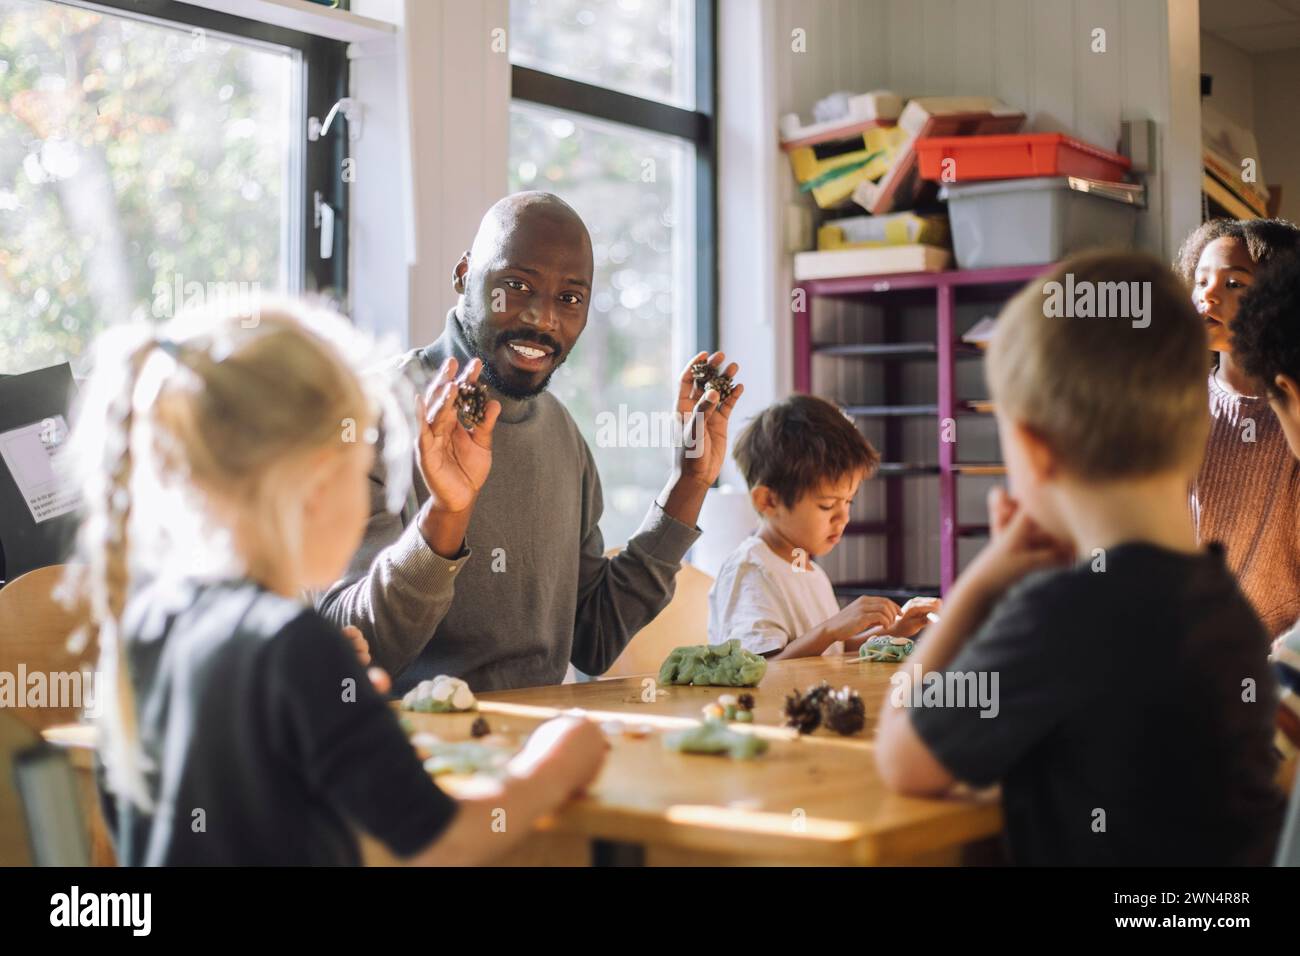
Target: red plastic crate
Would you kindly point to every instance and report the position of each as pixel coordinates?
(1018, 156)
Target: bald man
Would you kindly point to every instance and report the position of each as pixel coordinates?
(495, 572)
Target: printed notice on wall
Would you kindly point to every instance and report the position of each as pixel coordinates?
(31, 454)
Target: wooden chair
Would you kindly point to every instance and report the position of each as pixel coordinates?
(15, 737)
(34, 632)
(1288, 848)
(684, 621)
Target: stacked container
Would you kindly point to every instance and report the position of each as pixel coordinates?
(1030, 198)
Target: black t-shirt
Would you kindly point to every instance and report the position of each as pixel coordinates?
(1125, 731)
(266, 741)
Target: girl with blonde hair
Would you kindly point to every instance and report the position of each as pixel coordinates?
(223, 463)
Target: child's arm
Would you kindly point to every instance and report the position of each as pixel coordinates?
(561, 758)
(1018, 547)
(859, 615)
(904, 761)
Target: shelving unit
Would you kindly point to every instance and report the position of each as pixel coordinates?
(944, 291)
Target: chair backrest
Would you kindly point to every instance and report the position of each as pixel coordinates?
(1288, 848)
(47, 678)
(684, 621)
(15, 738)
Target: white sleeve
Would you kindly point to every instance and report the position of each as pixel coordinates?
(744, 605)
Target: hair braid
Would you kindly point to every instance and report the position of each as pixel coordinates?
(109, 582)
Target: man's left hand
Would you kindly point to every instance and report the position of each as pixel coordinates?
(705, 414)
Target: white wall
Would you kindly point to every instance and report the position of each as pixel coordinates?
(1277, 83)
(432, 158)
(1234, 80)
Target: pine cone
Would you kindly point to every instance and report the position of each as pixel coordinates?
(844, 712)
(802, 713)
(471, 404)
(706, 375)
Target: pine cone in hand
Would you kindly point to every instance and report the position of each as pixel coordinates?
(707, 375)
(471, 404)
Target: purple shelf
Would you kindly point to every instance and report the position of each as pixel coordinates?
(946, 289)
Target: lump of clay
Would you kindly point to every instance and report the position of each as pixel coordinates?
(715, 737)
(888, 649)
(441, 695)
(720, 665)
(466, 756)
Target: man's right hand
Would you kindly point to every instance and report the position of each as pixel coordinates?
(453, 460)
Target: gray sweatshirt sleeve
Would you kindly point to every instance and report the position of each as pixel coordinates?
(397, 589)
(618, 596)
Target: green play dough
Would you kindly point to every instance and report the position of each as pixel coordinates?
(884, 649)
(465, 757)
(720, 665)
(715, 737)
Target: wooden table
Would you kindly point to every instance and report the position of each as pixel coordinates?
(811, 800)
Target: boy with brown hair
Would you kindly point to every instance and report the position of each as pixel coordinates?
(803, 461)
(1134, 705)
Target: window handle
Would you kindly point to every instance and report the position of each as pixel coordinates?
(324, 221)
(351, 110)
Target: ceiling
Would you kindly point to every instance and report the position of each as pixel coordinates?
(1253, 26)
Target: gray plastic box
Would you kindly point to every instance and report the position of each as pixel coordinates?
(1015, 222)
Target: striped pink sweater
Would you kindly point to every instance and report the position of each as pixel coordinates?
(1247, 496)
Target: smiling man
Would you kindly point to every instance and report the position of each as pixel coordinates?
(495, 572)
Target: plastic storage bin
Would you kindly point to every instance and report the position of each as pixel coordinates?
(1016, 156)
(1016, 222)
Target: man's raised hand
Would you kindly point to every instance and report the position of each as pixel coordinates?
(454, 461)
(705, 414)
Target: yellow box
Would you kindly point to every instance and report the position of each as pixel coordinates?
(830, 169)
(896, 229)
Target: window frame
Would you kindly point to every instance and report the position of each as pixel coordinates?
(324, 80)
(697, 126)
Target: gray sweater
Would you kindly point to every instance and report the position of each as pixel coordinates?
(532, 590)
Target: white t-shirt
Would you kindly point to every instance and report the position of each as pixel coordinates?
(764, 601)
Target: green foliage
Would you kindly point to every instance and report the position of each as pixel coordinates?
(130, 154)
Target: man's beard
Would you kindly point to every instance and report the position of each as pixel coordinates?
(498, 382)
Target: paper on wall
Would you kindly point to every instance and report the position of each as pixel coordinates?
(31, 454)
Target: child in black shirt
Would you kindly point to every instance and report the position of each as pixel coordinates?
(1092, 659)
(225, 462)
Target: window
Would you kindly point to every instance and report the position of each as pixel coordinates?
(152, 156)
(613, 112)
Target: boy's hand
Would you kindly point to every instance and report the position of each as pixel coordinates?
(1018, 546)
(913, 616)
(704, 444)
(862, 614)
(454, 461)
